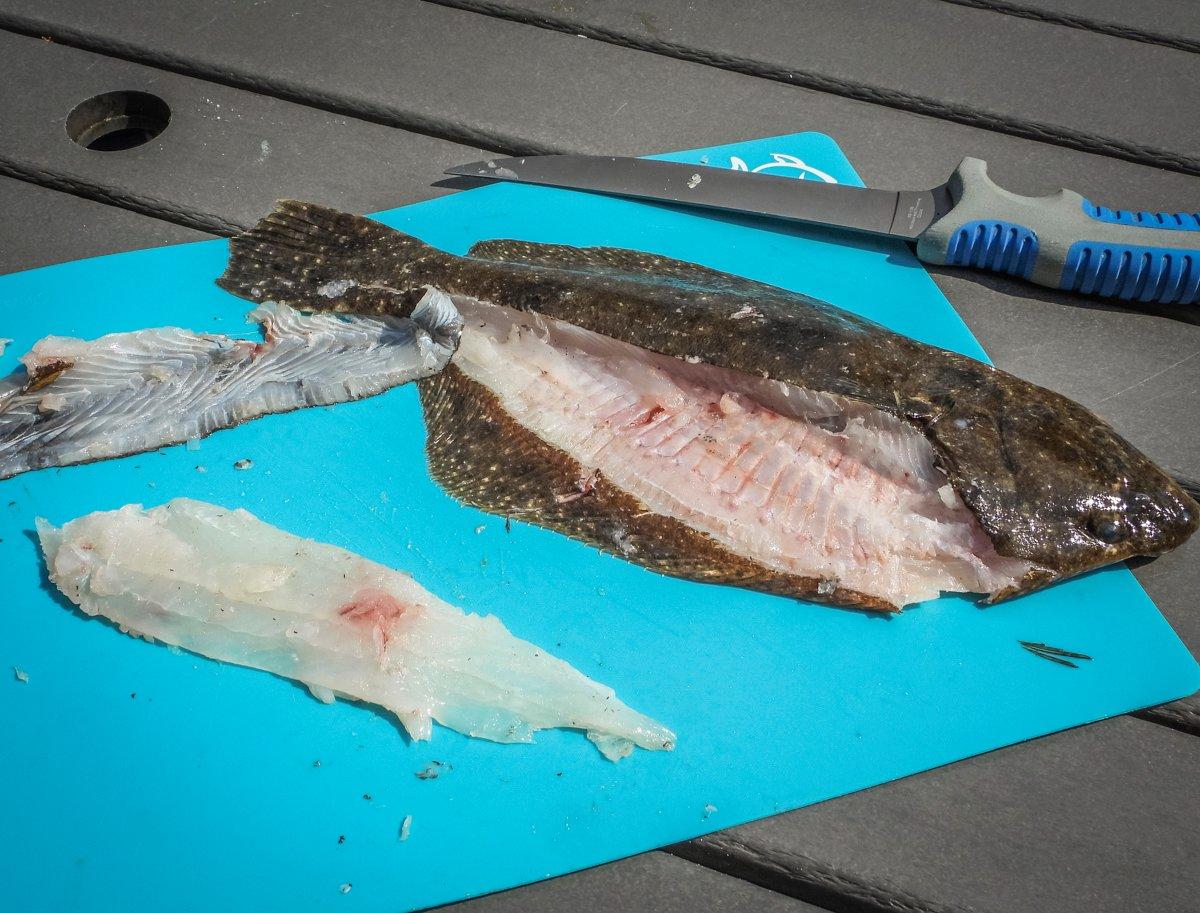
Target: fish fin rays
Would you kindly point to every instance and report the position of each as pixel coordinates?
(79, 401)
(615, 262)
(483, 457)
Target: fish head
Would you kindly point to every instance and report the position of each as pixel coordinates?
(1055, 485)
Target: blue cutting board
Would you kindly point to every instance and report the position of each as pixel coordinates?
(134, 779)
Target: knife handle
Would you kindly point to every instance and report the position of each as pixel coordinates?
(1066, 242)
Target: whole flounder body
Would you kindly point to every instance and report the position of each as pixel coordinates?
(711, 427)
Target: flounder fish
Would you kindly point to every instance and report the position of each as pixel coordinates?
(719, 429)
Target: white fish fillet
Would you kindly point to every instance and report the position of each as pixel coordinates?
(801, 481)
(226, 585)
(125, 393)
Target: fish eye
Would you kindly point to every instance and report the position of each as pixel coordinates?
(1108, 528)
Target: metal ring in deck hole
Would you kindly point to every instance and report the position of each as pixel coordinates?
(118, 120)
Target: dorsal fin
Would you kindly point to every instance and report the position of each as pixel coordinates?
(612, 261)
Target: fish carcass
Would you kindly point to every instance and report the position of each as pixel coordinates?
(719, 429)
(77, 400)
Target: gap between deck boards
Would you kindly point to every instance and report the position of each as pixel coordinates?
(119, 198)
(1084, 23)
(801, 877)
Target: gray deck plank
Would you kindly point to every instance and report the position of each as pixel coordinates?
(384, 49)
(1110, 359)
(1164, 21)
(923, 55)
(41, 227)
(1086, 821)
(227, 154)
(1111, 752)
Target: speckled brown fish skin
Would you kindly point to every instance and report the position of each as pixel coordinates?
(1049, 481)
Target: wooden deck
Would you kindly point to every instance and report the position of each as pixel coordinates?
(361, 104)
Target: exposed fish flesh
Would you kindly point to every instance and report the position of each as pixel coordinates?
(226, 585)
(78, 401)
(715, 428)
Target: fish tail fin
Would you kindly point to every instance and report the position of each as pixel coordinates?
(313, 257)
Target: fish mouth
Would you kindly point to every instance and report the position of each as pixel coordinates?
(842, 500)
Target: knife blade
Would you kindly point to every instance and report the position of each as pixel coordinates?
(901, 214)
(1059, 241)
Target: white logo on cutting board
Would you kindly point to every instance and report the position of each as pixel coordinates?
(781, 161)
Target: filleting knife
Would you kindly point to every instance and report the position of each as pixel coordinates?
(1061, 241)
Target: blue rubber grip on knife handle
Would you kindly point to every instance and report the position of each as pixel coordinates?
(1064, 241)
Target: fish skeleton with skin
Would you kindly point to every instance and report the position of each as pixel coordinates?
(78, 401)
(714, 428)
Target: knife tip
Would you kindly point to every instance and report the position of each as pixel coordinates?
(473, 169)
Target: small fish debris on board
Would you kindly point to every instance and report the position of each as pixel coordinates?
(405, 828)
(20, 674)
(744, 312)
(243, 464)
(336, 288)
(1054, 654)
(346, 888)
(709, 808)
(430, 771)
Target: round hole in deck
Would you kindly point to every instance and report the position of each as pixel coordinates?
(118, 120)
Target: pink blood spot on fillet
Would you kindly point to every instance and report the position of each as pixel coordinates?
(647, 417)
(374, 610)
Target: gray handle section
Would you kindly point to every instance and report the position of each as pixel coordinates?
(1064, 241)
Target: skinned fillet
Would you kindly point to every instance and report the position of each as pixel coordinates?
(228, 586)
(805, 483)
